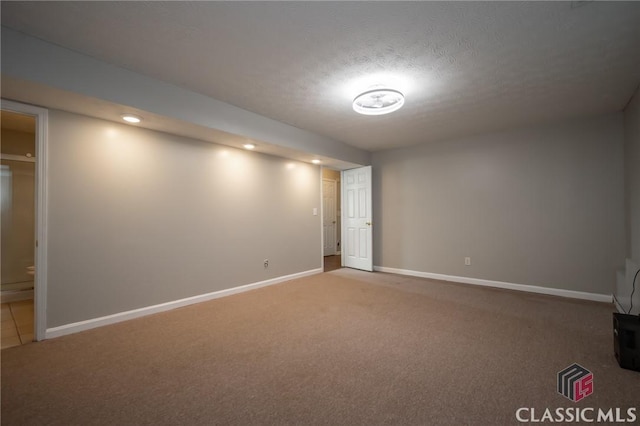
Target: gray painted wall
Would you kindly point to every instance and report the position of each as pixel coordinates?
(137, 218)
(632, 176)
(540, 206)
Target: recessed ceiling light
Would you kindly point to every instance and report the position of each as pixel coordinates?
(249, 146)
(316, 161)
(378, 101)
(130, 118)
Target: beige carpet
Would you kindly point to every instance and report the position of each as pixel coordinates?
(343, 347)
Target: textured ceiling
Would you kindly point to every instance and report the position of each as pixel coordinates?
(466, 68)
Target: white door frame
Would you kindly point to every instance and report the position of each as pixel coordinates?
(41, 203)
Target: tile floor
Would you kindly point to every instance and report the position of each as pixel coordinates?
(17, 323)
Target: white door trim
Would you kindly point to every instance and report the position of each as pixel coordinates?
(342, 250)
(321, 221)
(40, 278)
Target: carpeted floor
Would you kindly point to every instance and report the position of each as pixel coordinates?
(344, 347)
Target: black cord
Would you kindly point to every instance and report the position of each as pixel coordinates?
(633, 291)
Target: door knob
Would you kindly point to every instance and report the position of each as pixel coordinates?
(369, 223)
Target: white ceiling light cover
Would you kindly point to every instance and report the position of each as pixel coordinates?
(378, 101)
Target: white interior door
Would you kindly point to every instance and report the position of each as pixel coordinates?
(329, 216)
(357, 241)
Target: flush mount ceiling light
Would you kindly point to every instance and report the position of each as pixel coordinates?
(316, 161)
(130, 118)
(249, 146)
(378, 101)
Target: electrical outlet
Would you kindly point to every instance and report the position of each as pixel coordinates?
(266, 263)
(467, 261)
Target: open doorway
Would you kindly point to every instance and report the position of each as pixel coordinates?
(18, 171)
(24, 213)
(331, 223)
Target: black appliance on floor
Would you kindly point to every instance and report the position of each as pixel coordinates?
(626, 340)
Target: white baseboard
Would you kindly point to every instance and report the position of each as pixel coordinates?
(149, 310)
(500, 284)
